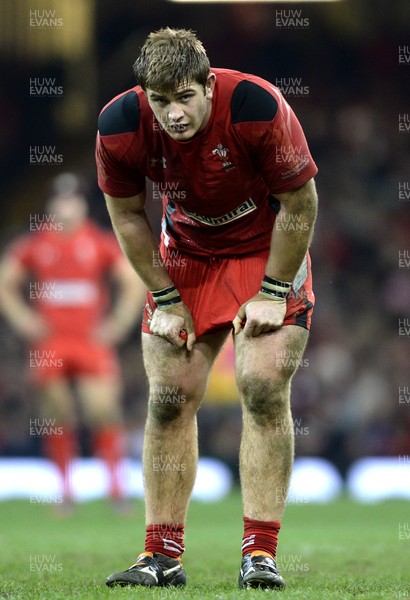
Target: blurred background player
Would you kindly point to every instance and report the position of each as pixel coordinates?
(71, 326)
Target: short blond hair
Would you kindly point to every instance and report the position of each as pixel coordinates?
(171, 58)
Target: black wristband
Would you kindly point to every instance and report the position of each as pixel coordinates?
(166, 297)
(275, 289)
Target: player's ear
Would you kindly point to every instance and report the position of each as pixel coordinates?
(210, 85)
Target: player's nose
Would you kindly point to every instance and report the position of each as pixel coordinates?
(175, 113)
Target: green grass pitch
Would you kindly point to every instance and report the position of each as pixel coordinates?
(341, 550)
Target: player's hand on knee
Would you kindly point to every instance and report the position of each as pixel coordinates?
(260, 315)
(175, 324)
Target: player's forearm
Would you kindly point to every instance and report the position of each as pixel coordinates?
(124, 315)
(13, 306)
(129, 301)
(292, 232)
(138, 243)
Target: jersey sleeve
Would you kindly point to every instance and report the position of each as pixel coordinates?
(284, 155)
(276, 138)
(117, 126)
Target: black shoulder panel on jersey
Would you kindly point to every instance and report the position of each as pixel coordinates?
(251, 102)
(122, 116)
(274, 204)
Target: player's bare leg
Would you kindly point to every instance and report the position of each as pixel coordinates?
(100, 397)
(57, 407)
(57, 402)
(177, 382)
(265, 366)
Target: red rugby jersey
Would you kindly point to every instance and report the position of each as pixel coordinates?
(218, 187)
(67, 275)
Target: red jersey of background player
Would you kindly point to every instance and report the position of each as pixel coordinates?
(217, 187)
(68, 275)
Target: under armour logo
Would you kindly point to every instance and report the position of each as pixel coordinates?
(162, 161)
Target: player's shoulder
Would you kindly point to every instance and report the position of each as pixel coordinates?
(251, 98)
(122, 114)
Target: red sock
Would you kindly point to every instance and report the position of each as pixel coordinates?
(165, 538)
(260, 535)
(109, 446)
(61, 449)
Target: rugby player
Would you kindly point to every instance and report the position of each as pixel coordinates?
(239, 206)
(71, 328)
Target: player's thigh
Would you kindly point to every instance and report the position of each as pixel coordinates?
(57, 400)
(170, 369)
(100, 397)
(272, 357)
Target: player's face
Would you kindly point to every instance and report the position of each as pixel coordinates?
(69, 210)
(184, 112)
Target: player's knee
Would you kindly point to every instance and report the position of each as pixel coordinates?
(265, 400)
(169, 403)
